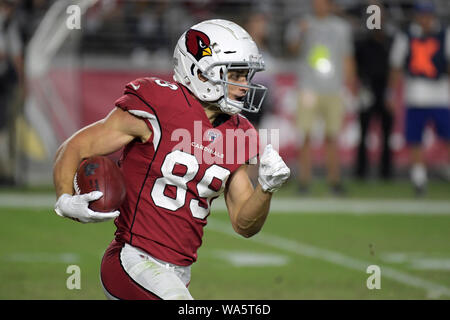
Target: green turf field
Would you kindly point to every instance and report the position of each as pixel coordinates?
(298, 255)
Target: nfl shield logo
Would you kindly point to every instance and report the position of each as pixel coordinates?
(212, 135)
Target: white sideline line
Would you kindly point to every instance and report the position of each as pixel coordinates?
(17, 200)
(37, 257)
(282, 205)
(432, 289)
(355, 206)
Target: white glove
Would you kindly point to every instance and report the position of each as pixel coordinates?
(273, 172)
(76, 208)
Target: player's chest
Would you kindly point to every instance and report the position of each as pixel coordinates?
(195, 139)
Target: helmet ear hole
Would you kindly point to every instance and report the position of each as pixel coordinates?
(201, 76)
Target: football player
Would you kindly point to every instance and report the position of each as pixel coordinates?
(170, 189)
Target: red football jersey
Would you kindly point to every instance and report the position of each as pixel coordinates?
(172, 179)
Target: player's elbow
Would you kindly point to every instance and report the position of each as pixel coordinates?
(247, 231)
(250, 234)
(247, 226)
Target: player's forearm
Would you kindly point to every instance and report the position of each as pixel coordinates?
(66, 163)
(100, 138)
(252, 215)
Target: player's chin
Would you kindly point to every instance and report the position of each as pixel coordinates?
(239, 98)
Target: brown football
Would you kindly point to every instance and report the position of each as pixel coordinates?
(100, 173)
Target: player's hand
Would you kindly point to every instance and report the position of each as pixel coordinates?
(76, 207)
(273, 172)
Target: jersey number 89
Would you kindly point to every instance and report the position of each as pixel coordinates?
(180, 183)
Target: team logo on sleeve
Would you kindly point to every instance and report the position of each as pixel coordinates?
(198, 44)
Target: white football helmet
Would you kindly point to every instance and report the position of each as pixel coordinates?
(212, 48)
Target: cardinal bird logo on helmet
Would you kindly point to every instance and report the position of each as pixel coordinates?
(197, 44)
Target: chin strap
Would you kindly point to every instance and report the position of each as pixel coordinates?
(228, 108)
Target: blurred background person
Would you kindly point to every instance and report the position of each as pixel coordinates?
(11, 80)
(420, 57)
(325, 46)
(372, 61)
(257, 25)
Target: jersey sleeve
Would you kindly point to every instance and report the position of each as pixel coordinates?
(136, 104)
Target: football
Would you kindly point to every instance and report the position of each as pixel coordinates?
(100, 173)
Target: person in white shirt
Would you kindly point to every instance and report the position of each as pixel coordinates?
(326, 65)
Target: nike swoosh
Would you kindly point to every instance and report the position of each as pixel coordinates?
(135, 87)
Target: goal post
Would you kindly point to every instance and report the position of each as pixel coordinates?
(50, 113)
